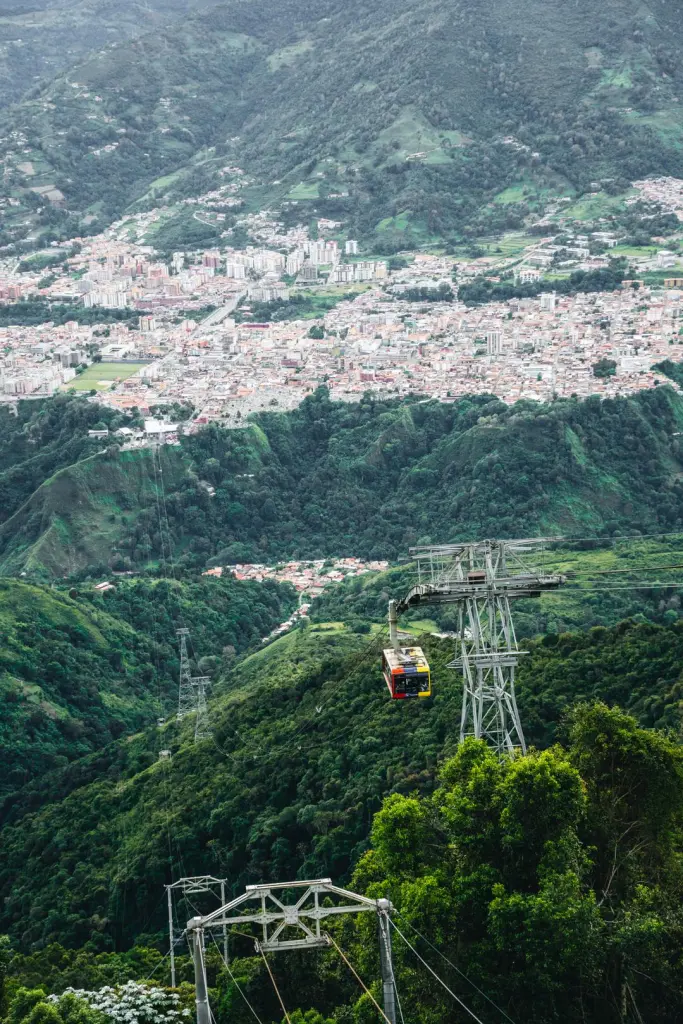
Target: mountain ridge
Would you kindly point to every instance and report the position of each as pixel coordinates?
(317, 481)
(460, 102)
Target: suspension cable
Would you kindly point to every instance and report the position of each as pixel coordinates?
(619, 572)
(233, 978)
(455, 968)
(277, 990)
(359, 979)
(435, 975)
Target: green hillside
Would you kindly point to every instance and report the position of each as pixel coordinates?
(405, 119)
(42, 37)
(306, 745)
(605, 585)
(77, 516)
(43, 437)
(368, 479)
(78, 671)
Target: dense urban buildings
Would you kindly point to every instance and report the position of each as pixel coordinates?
(194, 333)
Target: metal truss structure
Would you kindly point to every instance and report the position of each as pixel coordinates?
(482, 579)
(186, 698)
(285, 923)
(200, 685)
(193, 886)
(192, 692)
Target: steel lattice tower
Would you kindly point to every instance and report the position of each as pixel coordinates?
(202, 730)
(482, 578)
(186, 697)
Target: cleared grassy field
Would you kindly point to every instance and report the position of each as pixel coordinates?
(101, 376)
(305, 190)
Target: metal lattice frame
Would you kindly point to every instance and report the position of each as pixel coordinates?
(275, 917)
(200, 685)
(488, 652)
(186, 697)
(192, 886)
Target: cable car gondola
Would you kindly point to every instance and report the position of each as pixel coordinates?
(405, 669)
(406, 673)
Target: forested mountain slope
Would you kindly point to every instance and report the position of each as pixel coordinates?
(306, 744)
(78, 671)
(366, 479)
(41, 37)
(426, 109)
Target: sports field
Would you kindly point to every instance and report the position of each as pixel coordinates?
(102, 376)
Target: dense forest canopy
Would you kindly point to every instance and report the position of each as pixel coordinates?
(79, 671)
(331, 478)
(282, 790)
(550, 882)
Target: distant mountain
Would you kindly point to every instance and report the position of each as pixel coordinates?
(404, 118)
(367, 479)
(41, 37)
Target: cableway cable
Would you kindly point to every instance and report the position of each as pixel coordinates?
(653, 585)
(455, 968)
(234, 979)
(358, 977)
(620, 572)
(434, 974)
(277, 990)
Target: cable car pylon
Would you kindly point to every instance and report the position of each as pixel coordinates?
(481, 579)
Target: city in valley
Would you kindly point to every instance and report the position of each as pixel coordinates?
(190, 328)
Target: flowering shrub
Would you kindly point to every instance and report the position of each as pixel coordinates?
(133, 1003)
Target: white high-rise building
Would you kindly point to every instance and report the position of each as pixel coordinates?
(295, 262)
(235, 270)
(494, 343)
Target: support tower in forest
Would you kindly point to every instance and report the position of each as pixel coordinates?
(481, 579)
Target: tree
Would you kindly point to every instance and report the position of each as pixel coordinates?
(552, 879)
(317, 331)
(604, 368)
(5, 959)
(32, 1006)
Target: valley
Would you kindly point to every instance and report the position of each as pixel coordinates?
(341, 512)
(308, 768)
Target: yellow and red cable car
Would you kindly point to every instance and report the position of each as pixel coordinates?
(406, 673)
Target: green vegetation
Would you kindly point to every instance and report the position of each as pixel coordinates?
(556, 880)
(78, 671)
(587, 600)
(185, 231)
(44, 437)
(306, 305)
(407, 135)
(604, 368)
(552, 880)
(443, 293)
(288, 790)
(371, 478)
(29, 312)
(674, 371)
(484, 290)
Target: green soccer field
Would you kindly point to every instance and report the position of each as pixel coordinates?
(102, 376)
